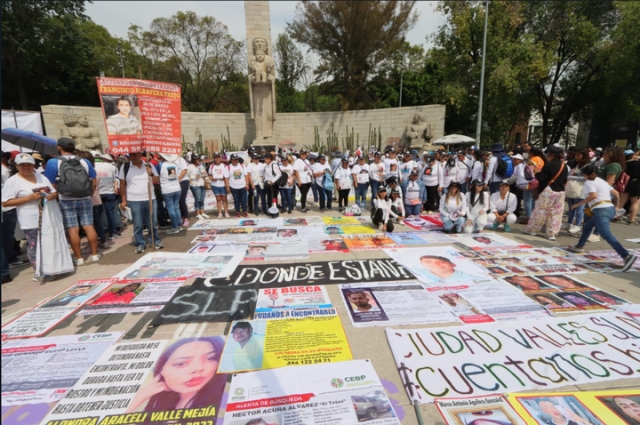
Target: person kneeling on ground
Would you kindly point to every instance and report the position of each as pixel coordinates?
(453, 208)
(597, 195)
(383, 212)
(477, 206)
(503, 204)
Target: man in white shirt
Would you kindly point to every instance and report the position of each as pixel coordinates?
(464, 170)
(170, 185)
(492, 178)
(134, 191)
(360, 172)
(503, 204)
(107, 175)
(302, 170)
(256, 171)
(320, 170)
(597, 195)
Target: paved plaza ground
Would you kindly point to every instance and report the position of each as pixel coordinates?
(23, 293)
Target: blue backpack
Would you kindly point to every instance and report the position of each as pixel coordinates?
(504, 166)
(327, 181)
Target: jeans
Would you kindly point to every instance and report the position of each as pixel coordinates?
(260, 196)
(578, 213)
(286, 198)
(600, 221)
(314, 190)
(140, 213)
(239, 199)
(172, 202)
(529, 202)
(109, 204)
(463, 188)
(412, 209)
(9, 220)
(361, 195)
(494, 187)
(324, 195)
(97, 223)
(198, 197)
(374, 190)
(448, 223)
(184, 189)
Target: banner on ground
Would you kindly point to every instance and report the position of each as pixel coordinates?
(369, 242)
(612, 407)
(423, 223)
(408, 238)
(478, 360)
(278, 303)
(133, 296)
(489, 410)
(316, 273)
(345, 393)
(294, 249)
(326, 245)
(218, 248)
(141, 115)
(200, 303)
(487, 241)
(270, 344)
(304, 221)
(176, 265)
(44, 317)
(435, 237)
(439, 265)
(144, 382)
(396, 303)
(340, 221)
(41, 370)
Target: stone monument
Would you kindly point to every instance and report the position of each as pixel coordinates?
(418, 134)
(77, 127)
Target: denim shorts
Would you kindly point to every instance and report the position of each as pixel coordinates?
(218, 191)
(76, 212)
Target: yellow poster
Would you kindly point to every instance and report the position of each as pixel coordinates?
(268, 344)
(339, 221)
(357, 230)
(613, 407)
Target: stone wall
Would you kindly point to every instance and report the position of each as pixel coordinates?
(296, 129)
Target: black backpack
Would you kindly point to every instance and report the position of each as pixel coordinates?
(282, 181)
(73, 180)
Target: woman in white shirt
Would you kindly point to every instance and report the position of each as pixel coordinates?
(431, 176)
(344, 183)
(360, 173)
(322, 170)
(256, 178)
(453, 208)
(503, 204)
(170, 176)
(239, 185)
(286, 192)
(407, 166)
(376, 175)
(196, 178)
(477, 208)
(302, 169)
(24, 191)
(219, 175)
(382, 214)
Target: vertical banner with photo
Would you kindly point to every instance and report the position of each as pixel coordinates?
(141, 115)
(489, 410)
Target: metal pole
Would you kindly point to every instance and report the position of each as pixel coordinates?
(484, 54)
(401, 74)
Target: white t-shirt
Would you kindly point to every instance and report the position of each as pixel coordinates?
(376, 172)
(218, 174)
(406, 168)
(509, 202)
(195, 174)
(137, 182)
(344, 175)
(182, 165)
(388, 162)
(289, 170)
(16, 187)
(430, 174)
(303, 167)
(602, 190)
(361, 172)
(237, 176)
(412, 193)
(447, 208)
(317, 167)
(169, 172)
(256, 171)
(106, 176)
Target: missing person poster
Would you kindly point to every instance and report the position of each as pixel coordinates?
(278, 302)
(150, 382)
(133, 296)
(479, 360)
(607, 407)
(41, 370)
(44, 317)
(141, 115)
(294, 249)
(369, 242)
(177, 265)
(326, 245)
(269, 344)
(340, 221)
(489, 410)
(396, 303)
(487, 241)
(346, 393)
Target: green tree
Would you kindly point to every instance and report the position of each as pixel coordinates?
(291, 67)
(352, 38)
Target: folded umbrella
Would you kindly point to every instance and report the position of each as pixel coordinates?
(30, 140)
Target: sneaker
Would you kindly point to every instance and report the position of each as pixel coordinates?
(6, 279)
(401, 222)
(628, 262)
(575, 248)
(226, 215)
(140, 249)
(204, 215)
(79, 262)
(44, 279)
(495, 226)
(164, 227)
(95, 258)
(289, 212)
(574, 229)
(340, 209)
(220, 216)
(379, 226)
(245, 215)
(237, 215)
(18, 263)
(551, 237)
(507, 228)
(565, 226)
(199, 217)
(185, 222)
(594, 238)
(103, 245)
(173, 231)
(159, 246)
(321, 210)
(529, 233)
(304, 210)
(115, 236)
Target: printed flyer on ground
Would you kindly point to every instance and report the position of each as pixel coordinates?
(274, 302)
(489, 410)
(133, 296)
(141, 115)
(177, 265)
(268, 344)
(397, 303)
(345, 393)
(153, 382)
(41, 370)
(612, 407)
(41, 319)
(294, 249)
(505, 357)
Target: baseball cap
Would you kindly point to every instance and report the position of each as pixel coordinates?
(25, 158)
(413, 173)
(66, 142)
(518, 156)
(395, 191)
(234, 156)
(477, 182)
(589, 169)
(504, 182)
(382, 189)
(216, 154)
(304, 151)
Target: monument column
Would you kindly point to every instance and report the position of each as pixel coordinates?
(261, 73)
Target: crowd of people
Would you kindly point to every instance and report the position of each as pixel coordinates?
(469, 189)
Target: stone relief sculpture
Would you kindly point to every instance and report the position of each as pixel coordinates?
(77, 127)
(262, 89)
(418, 133)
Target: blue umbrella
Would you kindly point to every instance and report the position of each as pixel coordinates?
(30, 140)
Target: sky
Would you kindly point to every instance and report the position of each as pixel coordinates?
(116, 16)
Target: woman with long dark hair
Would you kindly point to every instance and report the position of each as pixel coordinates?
(477, 208)
(614, 164)
(184, 377)
(573, 191)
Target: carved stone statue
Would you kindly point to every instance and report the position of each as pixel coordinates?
(418, 133)
(77, 127)
(262, 89)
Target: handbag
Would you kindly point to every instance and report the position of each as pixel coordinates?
(588, 210)
(573, 188)
(536, 194)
